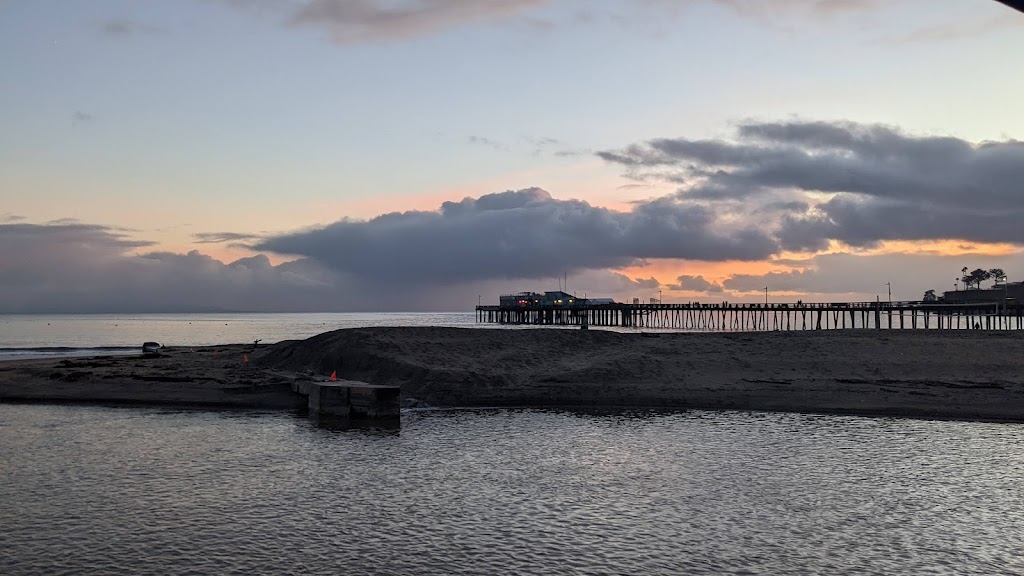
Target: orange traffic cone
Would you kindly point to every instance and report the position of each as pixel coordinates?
(334, 376)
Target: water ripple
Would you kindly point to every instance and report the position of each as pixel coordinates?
(149, 491)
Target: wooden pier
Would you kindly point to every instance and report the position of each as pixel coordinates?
(766, 317)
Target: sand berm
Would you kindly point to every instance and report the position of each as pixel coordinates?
(935, 374)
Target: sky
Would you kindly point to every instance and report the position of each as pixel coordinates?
(408, 155)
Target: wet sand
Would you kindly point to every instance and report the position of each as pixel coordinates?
(175, 376)
(932, 374)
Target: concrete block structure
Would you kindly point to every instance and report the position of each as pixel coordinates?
(356, 400)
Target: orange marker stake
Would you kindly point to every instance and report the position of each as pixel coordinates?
(334, 376)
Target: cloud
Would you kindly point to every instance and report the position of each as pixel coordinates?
(865, 276)
(82, 268)
(695, 284)
(520, 234)
(761, 8)
(962, 29)
(8, 217)
(349, 21)
(487, 142)
(222, 237)
(124, 28)
(67, 268)
(855, 183)
(80, 117)
(352, 21)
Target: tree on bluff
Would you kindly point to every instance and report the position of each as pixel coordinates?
(998, 275)
(929, 296)
(976, 277)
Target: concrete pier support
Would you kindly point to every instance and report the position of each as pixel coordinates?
(351, 399)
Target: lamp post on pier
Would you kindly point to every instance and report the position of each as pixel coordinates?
(889, 286)
(766, 296)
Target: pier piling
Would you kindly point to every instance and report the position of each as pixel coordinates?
(765, 317)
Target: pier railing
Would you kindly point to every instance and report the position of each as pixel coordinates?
(767, 317)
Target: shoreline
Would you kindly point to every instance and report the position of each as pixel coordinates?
(957, 375)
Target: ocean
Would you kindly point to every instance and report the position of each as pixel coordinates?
(40, 336)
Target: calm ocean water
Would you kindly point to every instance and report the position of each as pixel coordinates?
(24, 336)
(39, 336)
(153, 491)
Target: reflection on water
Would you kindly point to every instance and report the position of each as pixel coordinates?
(384, 426)
(155, 491)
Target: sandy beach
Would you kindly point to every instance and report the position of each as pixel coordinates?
(932, 374)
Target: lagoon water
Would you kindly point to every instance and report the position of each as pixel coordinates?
(160, 491)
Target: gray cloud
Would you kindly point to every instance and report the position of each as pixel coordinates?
(813, 7)
(862, 277)
(857, 183)
(66, 268)
(695, 284)
(520, 234)
(123, 28)
(487, 142)
(349, 21)
(792, 281)
(7, 217)
(80, 117)
(75, 268)
(222, 237)
(969, 29)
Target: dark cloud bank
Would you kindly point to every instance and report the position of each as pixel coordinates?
(777, 186)
(521, 234)
(856, 183)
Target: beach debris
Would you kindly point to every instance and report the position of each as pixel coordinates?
(334, 376)
(245, 358)
(214, 353)
(256, 343)
(150, 347)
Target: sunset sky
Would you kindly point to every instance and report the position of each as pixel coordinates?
(349, 155)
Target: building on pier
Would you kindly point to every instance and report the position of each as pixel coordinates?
(552, 299)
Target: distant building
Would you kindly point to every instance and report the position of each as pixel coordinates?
(1012, 291)
(554, 298)
(521, 299)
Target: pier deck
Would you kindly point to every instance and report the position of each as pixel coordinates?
(767, 317)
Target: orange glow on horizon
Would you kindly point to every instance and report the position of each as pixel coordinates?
(951, 247)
